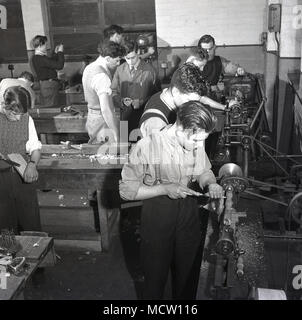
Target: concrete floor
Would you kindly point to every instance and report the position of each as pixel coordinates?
(82, 274)
(116, 275)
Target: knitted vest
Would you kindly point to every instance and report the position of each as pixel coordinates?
(213, 70)
(13, 136)
(163, 111)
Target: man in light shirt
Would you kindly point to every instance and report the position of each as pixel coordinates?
(102, 123)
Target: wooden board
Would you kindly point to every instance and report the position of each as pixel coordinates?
(34, 248)
(34, 256)
(72, 173)
(82, 149)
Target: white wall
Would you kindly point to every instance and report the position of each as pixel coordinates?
(231, 22)
(33, 20)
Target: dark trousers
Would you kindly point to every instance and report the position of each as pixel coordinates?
(132, 116)
(171, 240)
(19, 208)
(211, 144)
(49, 93)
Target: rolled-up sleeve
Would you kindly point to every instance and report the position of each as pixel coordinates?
(101, 84)
(132, 175)
(33, 142)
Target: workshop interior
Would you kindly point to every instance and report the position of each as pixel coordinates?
(88, 246)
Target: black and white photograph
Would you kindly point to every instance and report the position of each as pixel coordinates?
(150, 153)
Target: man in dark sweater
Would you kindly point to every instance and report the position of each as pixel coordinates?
(46, 70)
(187, 84)
(216, 65)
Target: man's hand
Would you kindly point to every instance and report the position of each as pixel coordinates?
(30, 173)
(240, 71)
(135, 104)
(59, 48)
(215, 191)
(127, 102)
(216, 206)
(151, 50)
(178, 191)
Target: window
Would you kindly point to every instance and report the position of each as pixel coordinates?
(79, 25)
(12, 37)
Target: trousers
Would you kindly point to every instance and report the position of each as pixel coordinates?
(19, 208)
(49, 93)
(170, 241)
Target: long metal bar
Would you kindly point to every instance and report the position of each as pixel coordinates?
(257, 114)
(266, 184)
(273, 149)
(266, 198)
(275, 161)
(285, 237)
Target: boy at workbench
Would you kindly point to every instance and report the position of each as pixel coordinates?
(161, 168)
(19, 208)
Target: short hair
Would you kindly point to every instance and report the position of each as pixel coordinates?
(27, 75)
(111, 30)
(38, 41)
(205, 39)
(189, 79)
(111, 49)
(130, 46)
(203, 54)
(194, 115)
(17, 99)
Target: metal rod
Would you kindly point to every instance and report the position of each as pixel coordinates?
(289, 156)
(257, 114)
(245, 162)
(273, 149)
(297, 237)
(266, 184)
(261, 89)
(276, 163)
(266, 198)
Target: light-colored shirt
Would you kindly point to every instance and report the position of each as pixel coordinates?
(33, 142)
(96, 81)
(176, 164)
(10, 82)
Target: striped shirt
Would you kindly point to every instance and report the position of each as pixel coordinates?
(160, 110)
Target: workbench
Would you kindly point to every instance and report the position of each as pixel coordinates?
(71, 119)
(71, 168)
(56, 120)
(34, 249)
